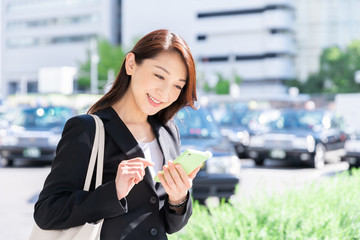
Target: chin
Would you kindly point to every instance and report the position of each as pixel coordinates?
(152, 112)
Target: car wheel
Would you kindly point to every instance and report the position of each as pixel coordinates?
(259, 161)
(6, 162)
(319, 156)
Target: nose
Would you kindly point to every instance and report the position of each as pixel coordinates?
(165, 92)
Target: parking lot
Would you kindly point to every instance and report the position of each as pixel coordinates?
(20, 185)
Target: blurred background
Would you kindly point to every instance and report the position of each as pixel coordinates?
(251, 50)
(279, 78)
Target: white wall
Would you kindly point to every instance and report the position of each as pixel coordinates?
(346, 104)
(142, 16)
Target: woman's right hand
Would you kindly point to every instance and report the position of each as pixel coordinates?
(129, 173)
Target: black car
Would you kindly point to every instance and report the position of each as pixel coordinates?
(352, 152)
(300, 135)
(220, 174)
(238, 124)
(32, 133)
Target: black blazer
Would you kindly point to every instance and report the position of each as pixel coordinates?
(143, 214)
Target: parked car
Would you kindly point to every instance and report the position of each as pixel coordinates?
(352, 152)
(220, 174)
(238, 126)
(32, 133)
(306, 136)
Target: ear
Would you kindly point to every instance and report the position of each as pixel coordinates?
(130, 63)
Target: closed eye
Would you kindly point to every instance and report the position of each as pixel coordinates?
(159, 76)
(178, 87)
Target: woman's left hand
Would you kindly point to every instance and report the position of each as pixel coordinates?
(176, 182)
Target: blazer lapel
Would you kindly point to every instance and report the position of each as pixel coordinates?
(117, 129)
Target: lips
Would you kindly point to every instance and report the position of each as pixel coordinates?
(154, 102)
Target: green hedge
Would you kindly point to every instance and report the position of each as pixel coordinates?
(325, 209)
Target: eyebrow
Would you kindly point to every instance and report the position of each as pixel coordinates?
(165, 70)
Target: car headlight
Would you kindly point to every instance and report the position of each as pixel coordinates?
(256, 142)
(224, 164)
(310, 143)
(54, 139)
(9, 140)
(304, 143)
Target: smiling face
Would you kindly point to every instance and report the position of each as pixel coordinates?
(157, 82)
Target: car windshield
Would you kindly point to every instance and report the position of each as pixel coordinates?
(227, 114)
(196, 124)
(42, 118)
(301, 119)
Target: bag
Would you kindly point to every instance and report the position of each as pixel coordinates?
(88, 231)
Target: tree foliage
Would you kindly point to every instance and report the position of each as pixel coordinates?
(222, 86)
(336, 74)
(110, 57)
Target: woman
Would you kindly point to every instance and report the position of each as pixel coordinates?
(156, 80)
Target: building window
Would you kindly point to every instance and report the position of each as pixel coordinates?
(13, 87)
(201, 37)
(93, 18)
(245, 57)
(32, 87)
(243, 11)
(22, 42)
(36, 5)
(280, 31)
(70, 39)
(30, 41)
(215, 59)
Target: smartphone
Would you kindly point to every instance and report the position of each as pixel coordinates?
(190, 160)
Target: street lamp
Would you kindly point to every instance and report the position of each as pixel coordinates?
(94, 66)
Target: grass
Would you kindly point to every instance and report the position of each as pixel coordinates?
(327, 209)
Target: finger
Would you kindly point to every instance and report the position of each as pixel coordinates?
(181, 171)
(144, 161)
(128, 167)
(168, 177)
(175, 174)
(163, 181)
(186, 182)
(131, 174)
(192, 175)
(161, 178)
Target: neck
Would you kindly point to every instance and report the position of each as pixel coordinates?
(128, 111)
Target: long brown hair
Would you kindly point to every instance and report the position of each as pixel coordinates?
(149, 47)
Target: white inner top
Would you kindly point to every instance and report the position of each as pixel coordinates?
(153, 153)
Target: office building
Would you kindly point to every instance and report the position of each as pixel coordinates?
(251, 39)
(44, 34)
(321, 24)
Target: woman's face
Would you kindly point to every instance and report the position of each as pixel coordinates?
(156, 83)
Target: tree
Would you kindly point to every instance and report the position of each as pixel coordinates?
(110, 57)
(336, 74)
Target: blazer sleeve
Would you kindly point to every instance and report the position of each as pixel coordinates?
(62, 203)
(173, 221)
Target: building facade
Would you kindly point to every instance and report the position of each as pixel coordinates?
(321, 24)
(38, 34)
(264, 42)
(251, 39)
